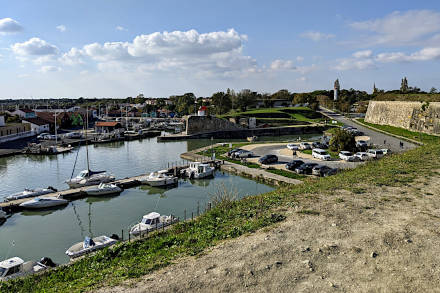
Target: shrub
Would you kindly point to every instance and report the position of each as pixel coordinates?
(342, 141)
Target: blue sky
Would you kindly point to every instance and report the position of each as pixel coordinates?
(159, 48)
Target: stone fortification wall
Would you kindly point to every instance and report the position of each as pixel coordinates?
(414, 116)
(204, 124)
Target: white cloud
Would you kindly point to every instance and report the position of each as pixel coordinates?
(121, 28)
(301, 79)
(188, 51)
(299, 59)
(363, 54)
(62, 28)
(282, 65)
(424, 54)
(49, 68)
(9, 25)
(400, 28)
(354, 63)
(34, 47)
(317, 36)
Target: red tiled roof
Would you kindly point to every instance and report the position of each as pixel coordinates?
(107, 124)
(36, 121)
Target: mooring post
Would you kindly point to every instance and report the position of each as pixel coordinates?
(198, 208)
(192, 216)
(209, 206)
(122, 235)
(129, 237)
(184, 215)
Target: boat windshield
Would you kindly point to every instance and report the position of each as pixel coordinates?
(83, 174)
(147, 221)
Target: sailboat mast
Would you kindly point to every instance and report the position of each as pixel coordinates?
(87, 145)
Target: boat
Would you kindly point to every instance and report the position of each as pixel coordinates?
(2, 216)
(103, 189)
(30, 193)
(44, 202)
(16, 267)
(88, 178)
(252, 138)
(151, 222)
(159, 178)
(90, 245)
(197, 170)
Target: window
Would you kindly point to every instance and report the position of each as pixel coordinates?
(13, 270)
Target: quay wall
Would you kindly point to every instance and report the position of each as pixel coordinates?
(204, 124)
(414, 116)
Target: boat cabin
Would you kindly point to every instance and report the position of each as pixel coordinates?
(199, 167)
(151, 219)
(10, 267)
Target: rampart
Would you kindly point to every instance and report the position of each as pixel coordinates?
(205, 124)
(414, 116)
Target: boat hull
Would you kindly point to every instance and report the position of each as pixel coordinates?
(38, 205)
(96, 192)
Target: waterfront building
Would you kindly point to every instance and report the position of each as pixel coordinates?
(37, 125)
(23, 113)
(12, 130)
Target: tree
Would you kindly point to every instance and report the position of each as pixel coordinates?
(282, 95)
(433, 90)
(222, 102)
(404, 85)
(244, 99)
(342, 141)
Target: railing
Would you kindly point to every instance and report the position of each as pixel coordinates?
(16, 136)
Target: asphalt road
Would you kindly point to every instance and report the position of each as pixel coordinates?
(379, 139)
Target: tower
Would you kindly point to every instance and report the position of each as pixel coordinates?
(336, 90)
(374, 88)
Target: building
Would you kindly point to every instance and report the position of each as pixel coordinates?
(202, 111)
(336, 89)
(12, 128)
(107, 127)
(23, 113)
(37, 125)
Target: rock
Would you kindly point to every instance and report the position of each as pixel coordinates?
(278, 263)
(307, 249)
(331, 284)
(268, 267)
(251, 272)
(334, 225)
(408, 241)
(374, 254)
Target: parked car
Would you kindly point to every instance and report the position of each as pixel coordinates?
(347, 156)
(233, 151)
(43, 135)
(321, 154)
(268, 159)
(294, 164)
(73, 135)
(292, 147)
(323, 171)
(243, 154)
(361, 144)
(363, 156)
(386, 151)
(305, 168)
(375, 154)
(305, 146)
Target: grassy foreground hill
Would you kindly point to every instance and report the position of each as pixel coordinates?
(373, 192)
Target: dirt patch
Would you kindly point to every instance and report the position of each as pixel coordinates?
(379, 240)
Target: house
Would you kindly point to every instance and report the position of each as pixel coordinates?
(107, 127)
(63, 119)
(23, 113)
(202, 111)
(37, 125)
(13, 131)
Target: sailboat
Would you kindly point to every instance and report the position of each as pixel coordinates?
(89, 177)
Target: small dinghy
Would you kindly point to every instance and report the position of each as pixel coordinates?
(31, 193)
(152, 221)
(90, 245)
(159, 178)
(44, 202)
(103, 189)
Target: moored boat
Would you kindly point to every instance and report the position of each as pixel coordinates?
(16, 267)
(152, 221)
(197, 170)
(44, 202)
(88, 178)
(30, 193)
(90, 245)
(103, 189)
(159, 178)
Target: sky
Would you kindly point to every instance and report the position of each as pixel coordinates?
(116, 49)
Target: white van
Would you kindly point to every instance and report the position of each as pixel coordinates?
(321, 154)
(376, 154)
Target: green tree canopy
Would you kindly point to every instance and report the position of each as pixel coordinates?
(222, 102)
(342, 141)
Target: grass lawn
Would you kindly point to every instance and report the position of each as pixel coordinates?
(418, 136)
(280, 116)
(228, 219)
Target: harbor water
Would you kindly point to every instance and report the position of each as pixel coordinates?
(32, 235)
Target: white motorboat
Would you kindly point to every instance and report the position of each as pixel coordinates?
(198, 170)
(30, 193)
(44, 202)
(16, 267)
(151, 222)
(103, 189)
(90, 245)
(159, 178)
(88, 178)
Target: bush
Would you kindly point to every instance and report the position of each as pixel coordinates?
(342, 141)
